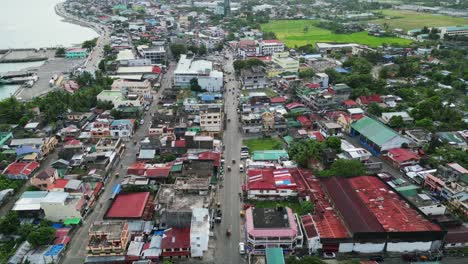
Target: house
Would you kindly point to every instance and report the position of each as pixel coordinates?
(45, 178)
(272, 227)
(4, 137)
(100, 128)
(368, 99)
(20, 170)
(76, 53)
(108, 238)
(202, 70)
(254, 78)
(122, 128)
(401, 157)
(452, 138)
(269, 183)
(349, 151)
(375, 136)
(386, 117)
(176, 243)
(312, 238)
(59, 206)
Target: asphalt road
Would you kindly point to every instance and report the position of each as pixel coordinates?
(227, 246)
(76, 252)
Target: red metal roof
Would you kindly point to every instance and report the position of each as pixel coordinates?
(277, 100)
(21, 168)
(367, 99)
(97, 188)
(401, 155)
(349, 102)
(294, 105)
(270, 179)
(318, 136)
(304, 121)
(176, 238)
(150, 170)
(175, 253)
(272, 41)
(128, 205)
(392, 212)
(72, 142)
(58, 184)
(158, 172)
(313, 85)
(457, 235)
(309, 227)
(156, 69)
(180, 143)
(211, 155)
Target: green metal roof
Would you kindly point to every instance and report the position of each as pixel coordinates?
(176, 168)
(269, 154)
(456, 28)
(274, 256)
(72, 221)
(299, 110)
(294, 123)
(374, 130)
(288, 139)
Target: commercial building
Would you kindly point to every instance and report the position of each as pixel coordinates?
(453, 31)
(138, 87)
(329, 47)
(286, 63)
(199, 232)
(20, 170)
(270, 46)
(211, 121)
(131, 206)
(269, 183)
(59, 206)
(272, 227)
(254, 78)
(375, 136)
(108, 238)
(122, 128)
(118, 99)
(156, 54)
(202, 70)
(76, 53)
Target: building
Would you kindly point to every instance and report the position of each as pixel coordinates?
(340, 92)
(45, 178)
(211, 121)
(156, 54)
(386, 117)
(4, 137)
(400, 157)
(59, 206)
(76, 53)
(375, 136)
(20, 170)
(272, 227)
(275, 156)
(453, 31)
(270, 46)
(122, 128)
(118, 99)
(329, 47)
(254, 78)
(286, 63)
(349, 151)
(131, 206)
(199, 232)
(176, 243)
(142, 88)
(108, 238)
(270, 184)
(202, 70)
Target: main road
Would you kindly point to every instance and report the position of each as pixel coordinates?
(227, 251)
(76, 252)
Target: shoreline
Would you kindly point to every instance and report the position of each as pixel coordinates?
(68, 18)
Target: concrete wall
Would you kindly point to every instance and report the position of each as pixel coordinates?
(59, 212)
(253, 194)
(408, 246)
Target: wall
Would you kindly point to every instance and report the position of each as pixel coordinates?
(408, 246)
(433, 209)
(368, 247)
(271, 194)
(58, 212)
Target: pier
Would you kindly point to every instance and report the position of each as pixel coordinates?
(26, 55)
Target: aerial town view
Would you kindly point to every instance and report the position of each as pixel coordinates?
(233, 132)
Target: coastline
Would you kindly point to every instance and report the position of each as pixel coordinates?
(69, 18)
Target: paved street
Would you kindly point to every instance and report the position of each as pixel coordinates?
(227, 247)
(76, 252)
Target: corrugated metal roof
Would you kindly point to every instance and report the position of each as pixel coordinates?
(374, 130)
(274, 256)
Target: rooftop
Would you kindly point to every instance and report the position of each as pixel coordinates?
(374, 130)
(112, 229)
(266, 222)
(270, 179)
(128, 205)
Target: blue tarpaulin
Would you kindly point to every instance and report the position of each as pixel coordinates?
(54, 250)
(116, 190)
(57, 225)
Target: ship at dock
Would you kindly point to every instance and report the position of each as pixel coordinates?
(23, 78)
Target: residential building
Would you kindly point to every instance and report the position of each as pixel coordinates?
(270, 46)
(247, 48)
(199, 232)
(100, 128)
(211, 121)
(157, 54)
(286, 63)
(254, 78)
(375, 136)
(76, 53)
(269, 183)
(202, 70)
(122, 128)
(400, 157)
(108, 238)
(349, 151)
(45, 178)
(59, 206)
(176, 243)
(20, 170)
(272, 227)
(340, 92)
(386, 117)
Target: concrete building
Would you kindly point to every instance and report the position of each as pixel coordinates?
(118, 99)
(108, 238)
(199, 232)
(453, 31)
(329, 47)
(121, 128)
(211, 121)
(156, 54)
(272, 227)
(142, 88)
(202, 70)
(76, 53)
(269, 183)
(270, 46)
(58, 206)
(286, 63)
(254, 78)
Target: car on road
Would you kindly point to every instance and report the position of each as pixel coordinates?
(244, 155)
(241, 248)
(241, 168)
(329, 255)
(142, 122)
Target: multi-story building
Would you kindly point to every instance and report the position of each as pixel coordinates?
(126, 87)
(269, 183)
(202, 70)
(254, 78)
(118, 99)
(453, 31)
(100, 129)
(286, 63)
(272, 227)
(122, 128)
(156, 54)
(211, 120)
(108, 238)
(270, 46)
(341, 92)
(58, 206)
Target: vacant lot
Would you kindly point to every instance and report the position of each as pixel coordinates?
(408, 20)
(302, 32)
(264, 144)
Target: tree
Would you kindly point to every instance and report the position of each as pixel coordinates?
(89, 44)
(425, 123)
(230, 36)
(194, 86)
(307, 207)
(307, 73)
(107, 49)
(375, 109)
(333, 143)
(193, 49)
(396, 122)
(344, 168)
(9, 223)
(60, 52)
(178, 49)
(43, 235)
(202, 50)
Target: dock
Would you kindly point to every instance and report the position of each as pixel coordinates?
(26, 55)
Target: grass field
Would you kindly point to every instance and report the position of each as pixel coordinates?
(264, 144)
(411, 20)
(292, 33)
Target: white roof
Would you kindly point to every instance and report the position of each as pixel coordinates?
(26, 141)
(31, 125)
(355, 111)
(199, 231)
(135, 248)
(126, 54)
(135, 70)
(189, 66)
(322, 45)
(55, 197)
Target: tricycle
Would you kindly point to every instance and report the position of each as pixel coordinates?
(228, 231)
(229, 168)
(233, 161)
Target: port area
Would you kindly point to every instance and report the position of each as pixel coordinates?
(53, 68)
(26, 55)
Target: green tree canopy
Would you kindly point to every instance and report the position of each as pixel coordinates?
(178, 49)
(333, 143)
(344, 168)
(41, 236)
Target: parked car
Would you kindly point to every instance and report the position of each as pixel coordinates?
(241, 248)
(241, 168)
